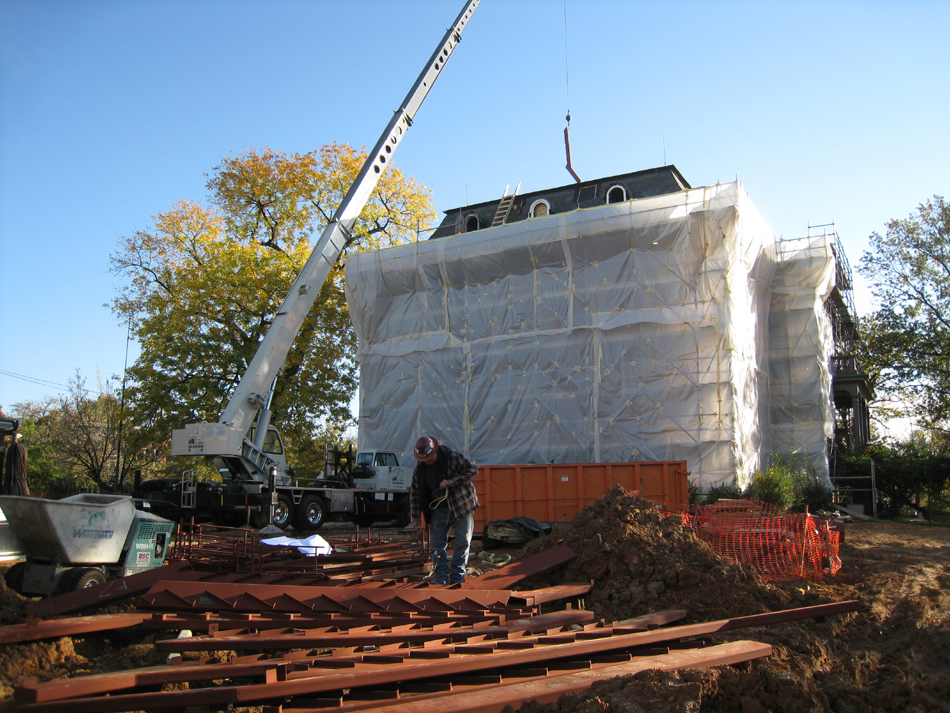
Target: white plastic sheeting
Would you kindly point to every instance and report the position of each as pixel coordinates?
(637, 331)
(801, 350)
(312, 546)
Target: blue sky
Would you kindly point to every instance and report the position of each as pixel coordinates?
(112, 110)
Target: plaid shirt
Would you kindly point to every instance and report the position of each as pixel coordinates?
(459, 471)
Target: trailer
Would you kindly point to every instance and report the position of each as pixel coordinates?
(371, 488)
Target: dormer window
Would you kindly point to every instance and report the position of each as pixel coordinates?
(616, 194)
(539, 208)
(471, 223)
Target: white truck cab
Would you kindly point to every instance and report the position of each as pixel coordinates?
(380, 470)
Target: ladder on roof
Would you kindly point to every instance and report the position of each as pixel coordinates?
(504, 206)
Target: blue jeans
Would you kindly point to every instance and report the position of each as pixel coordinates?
(439, 523)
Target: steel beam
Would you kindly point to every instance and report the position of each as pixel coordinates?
(263, 597)
(512, 574)
(108, 593)
(516, 690)
(34, 630)
(369, 635)
(547, 689)
(32, 691)
(211, 622)
(287, 679)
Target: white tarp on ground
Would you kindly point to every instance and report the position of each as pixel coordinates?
(312, 546)
(628, 332)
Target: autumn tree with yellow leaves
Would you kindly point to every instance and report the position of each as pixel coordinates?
(204, 281)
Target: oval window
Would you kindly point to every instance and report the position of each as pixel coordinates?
(539, 208)
(616, 194)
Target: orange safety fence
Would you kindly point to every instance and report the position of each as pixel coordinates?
(778, 545)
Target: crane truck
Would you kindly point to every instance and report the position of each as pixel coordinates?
(245, 447)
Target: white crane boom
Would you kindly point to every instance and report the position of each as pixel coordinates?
(252, 395)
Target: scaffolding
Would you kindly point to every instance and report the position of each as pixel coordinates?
(665, 328)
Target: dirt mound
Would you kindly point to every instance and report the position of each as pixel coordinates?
(893, 655)
(642, 561)
(73, 656)
(12, 605)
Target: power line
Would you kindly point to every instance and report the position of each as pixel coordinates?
(44, 382)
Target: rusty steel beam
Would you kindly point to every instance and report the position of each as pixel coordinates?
(654, 619)
(243, 596)
(34, 630)
(536, 597)
(304, 579)
(239, 550)
(370, 635)
(263, 597)
(31, 691)
(512, 574)
(547, 689)
(228, 621)
(108, 593)
(288, 679)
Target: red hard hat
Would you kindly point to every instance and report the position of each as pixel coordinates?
(425, 445)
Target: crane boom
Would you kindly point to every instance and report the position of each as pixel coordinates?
(252, 394)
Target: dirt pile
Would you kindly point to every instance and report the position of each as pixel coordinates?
(12, 605)
(67, 656)
(893, 655)
(642, 561)
(73, 656)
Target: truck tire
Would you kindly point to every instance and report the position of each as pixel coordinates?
(283, 511)
(258, 518)
(80, 578)
(228, 518)
(15, 576)
(312, 513)
(364, 520)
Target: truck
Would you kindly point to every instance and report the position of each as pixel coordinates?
(243, 444)
(365, 489)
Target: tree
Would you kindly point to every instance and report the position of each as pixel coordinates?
(46, 473)
(907, 341)
(913, 475)
(206, 280)
(74, 441)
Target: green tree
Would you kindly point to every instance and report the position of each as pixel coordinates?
(73, 442)
(205, 281)
(906, 343)
(45, 473)
(911, 475)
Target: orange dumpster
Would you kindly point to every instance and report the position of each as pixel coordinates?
(555, 493)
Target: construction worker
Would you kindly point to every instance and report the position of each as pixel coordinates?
(442, 488)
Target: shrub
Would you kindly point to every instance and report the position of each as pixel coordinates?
(811, 493)
(695, 493)
(775, 485)
(723, 491)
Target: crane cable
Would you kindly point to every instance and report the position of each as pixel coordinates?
(567, 86)
(567, 73)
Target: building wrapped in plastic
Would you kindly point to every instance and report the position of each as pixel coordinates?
(666, 327)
